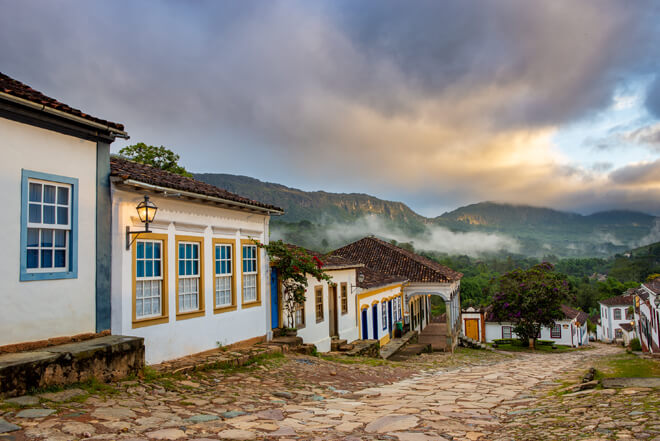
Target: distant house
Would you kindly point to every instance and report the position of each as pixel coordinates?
(196, 280)
(647, 315)
(570, 331)
(474, 323)
(424, 279)
(330, 310)
(614, 312)
(55, 216)
(595, 319)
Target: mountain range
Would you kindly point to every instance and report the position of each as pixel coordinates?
(323, 220)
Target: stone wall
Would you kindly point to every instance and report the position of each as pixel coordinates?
(107, 358)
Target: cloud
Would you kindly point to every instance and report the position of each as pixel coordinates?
(653, 97)
(453, 100)
(649, 135)
(646, 174)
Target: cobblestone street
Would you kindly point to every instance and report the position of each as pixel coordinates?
(473, 395)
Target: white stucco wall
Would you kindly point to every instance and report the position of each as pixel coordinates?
(609, 324)
(568, 330)
(41, 309)
(367, 298)
(178, 338)
(318, 333)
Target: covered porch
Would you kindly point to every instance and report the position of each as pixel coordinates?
(435, 330)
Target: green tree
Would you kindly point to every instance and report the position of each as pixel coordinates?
(293, 265)
(530, 299)
(160, 157)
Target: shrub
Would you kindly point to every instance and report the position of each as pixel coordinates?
(635, 345)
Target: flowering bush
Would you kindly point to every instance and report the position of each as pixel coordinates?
(293, 266)
(529, 299)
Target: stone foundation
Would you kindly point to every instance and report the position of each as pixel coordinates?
(105, 359)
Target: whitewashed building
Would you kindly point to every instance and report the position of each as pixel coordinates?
(55, 217)
(474, 323)
(614, 312)
(197, 280)
(570, 331)
(647, 315)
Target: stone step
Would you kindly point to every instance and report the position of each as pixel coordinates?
(410, 350)
(287, 341)
(335, 343)
(345, 347)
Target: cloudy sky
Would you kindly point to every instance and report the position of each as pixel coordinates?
(435, 103)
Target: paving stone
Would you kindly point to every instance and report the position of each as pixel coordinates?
(202, 418)
(233, 414)
(113, 413)
(25, 400)
(62, 396)
(166, 434)
(35, 413)
(6, 427)
(283, 394)
(236, 434)
(392, 423)
(270, 414)
(77, 428)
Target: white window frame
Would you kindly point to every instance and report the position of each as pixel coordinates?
(250, 276)
(189, 279)
(223, 276)
(143, 280)
(509, 329)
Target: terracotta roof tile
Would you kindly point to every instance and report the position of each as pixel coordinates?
(386, 258)
(125, 169)
(572, 313)
(15, 88)
(618, 301)
(329, 262)
(373, 279)
(653, 285)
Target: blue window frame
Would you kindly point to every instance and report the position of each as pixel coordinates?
(49, 226)
(383, 309)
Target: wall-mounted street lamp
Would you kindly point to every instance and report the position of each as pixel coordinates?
(146, 212)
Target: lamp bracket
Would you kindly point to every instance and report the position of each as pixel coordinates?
(130, 233)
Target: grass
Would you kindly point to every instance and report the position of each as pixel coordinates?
(518, 347)
(628, 366)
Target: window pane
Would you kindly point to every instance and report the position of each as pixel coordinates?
(188, 268)
(35, 192)
(62, 215)
(47, 238)
(149, 250)
(149, 268)
(46, 258)
(182, 251)
(156, 250)
(140, 250)
(33, 237)
(195, 269)
(49, 194)
(60, 238)
(217, 266)
(60, 258)
(140, 268)
(182, 267)
(33, 258)
(34, 214)
(188, 251)
(49, 214)
(195, 251)
(63, 196)
(156, 268)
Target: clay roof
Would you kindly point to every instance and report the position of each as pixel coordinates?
(571, 313)
(386, 258)
(329, 262)
(374, 279)
(15, 88)
(626, 326)
(653, 285)
(618, 301)
(129, 170)
(594, 318)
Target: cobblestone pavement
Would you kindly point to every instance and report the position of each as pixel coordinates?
(474, 395)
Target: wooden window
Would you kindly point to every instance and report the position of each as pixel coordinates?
(149, 263)
(224, 269)
(617, 314)
(629, 314)
(250, 272)
(318, 303)
(556, 331)
(507, 332)
(189, 277)
(344, 298)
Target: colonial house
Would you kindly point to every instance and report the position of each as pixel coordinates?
(424, 278)
(380, 304)
(647, 315)
(474, 323)
(614, 312)
(195, 280)
(55, 218)
(329, 311)
(570, 331)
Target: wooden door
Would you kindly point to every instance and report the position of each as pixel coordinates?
(472, 328)
(333, 312)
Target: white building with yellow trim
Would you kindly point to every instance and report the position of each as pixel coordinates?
(196, 280)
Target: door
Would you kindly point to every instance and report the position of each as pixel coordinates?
(374, 319)
(365, 324)
(334, 332)
(472, 329)
(389, 318)
(274, 300)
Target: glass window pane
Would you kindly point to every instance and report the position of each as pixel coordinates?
(149, 269)
(140, 250)
(182, 251)
(49, 194)
(49, 214)
(149, 250)
(46, 258)
(33, 258)
(194, 268)
(47, 238)
(140, 268)
(156, 250)
(34, 214)
(63, 196)
(156, 268)
(188, 270)
(35, 192)
(195, 251)
(33, 237)
(60, 261)
(62, 215)
(60, 238)
(182, 267)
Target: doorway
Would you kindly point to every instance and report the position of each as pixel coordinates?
(365, 324)
(274, 300)
(334, 331)
(472, 329)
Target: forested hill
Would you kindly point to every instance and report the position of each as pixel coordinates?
(538, 231)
